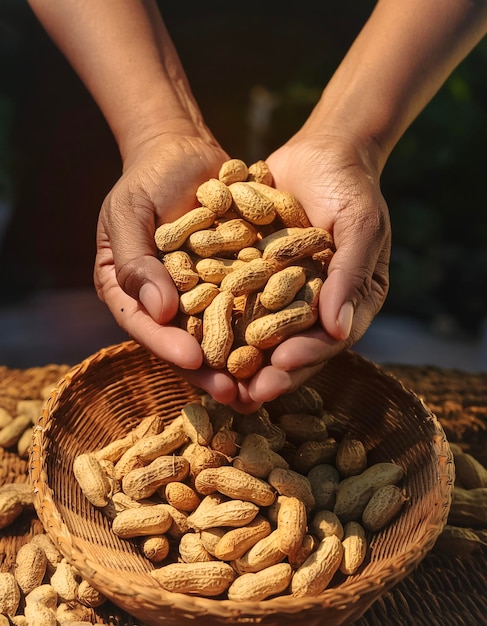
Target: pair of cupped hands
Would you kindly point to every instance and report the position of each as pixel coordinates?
(340, 191)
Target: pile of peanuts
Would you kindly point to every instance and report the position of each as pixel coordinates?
(248, 266)
(243, 507)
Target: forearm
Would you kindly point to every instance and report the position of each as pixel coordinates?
(402, 56)
(122, 52)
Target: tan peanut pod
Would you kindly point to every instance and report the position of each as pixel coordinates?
(248, 278)
(9, 594)
(210, 538)
(38, 613)
(182, 496)
(304, 399)
(291, 524)
(211, 270)
(23, 492)
(52, 553)
(354, 492)
(179, 521)
(92, 479)
(202, 457)
(88, 596)
(198, 298)
(235, 483)
(5, 417)
(30, 567)
(215, 195)
(221, 415)
(24, 443)
(217, 331)
(383, 506)
(303, 551)
(326, 523)
(263, 554)
(244, 361)
(310, 291)
(272, 236)
(232, 171)
(72, 614)
(470, 473)
(143, 482)
(181, 269)
(147, 520)
(192, 324)
(10, 508)
(288, 208)
(44, 595)
(148, 448)
(354, 548)
(260, 172)
(227, 238)
(172, 235)
(151, 425)
(298, 245)
(316, 573)
(233, 513)
(270, 330)
(249, 254)
(196, 423)
(11, 432)
(469, 507)
(64, 581)
(251, 204)
(324, 479)
(312, 453)
(300, 427)
(289, 483)
(192, 550)
(209, 578)
(30, 408)
(282, 287)
(256, 456)
(227, 442)
(259, 423)
(351, 457)
(258, 586)
(236, 542)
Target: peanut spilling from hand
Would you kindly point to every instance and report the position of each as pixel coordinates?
(255, 242)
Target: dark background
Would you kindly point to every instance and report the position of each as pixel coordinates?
(58, 159)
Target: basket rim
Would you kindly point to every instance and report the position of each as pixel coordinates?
(393, 569)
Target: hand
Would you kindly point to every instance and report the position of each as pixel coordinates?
(157, 186)
(340, 192)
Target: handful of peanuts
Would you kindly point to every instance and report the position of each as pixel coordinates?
(244, 507)
(248, 265)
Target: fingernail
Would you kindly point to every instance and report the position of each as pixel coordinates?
(345, 319)
(151, 300)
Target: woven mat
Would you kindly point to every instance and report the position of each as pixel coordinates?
(445, 590)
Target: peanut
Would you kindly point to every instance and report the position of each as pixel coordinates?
(236, 542)
(215, 195)
(264, 553)
(290, 483)
(300, 428)
(324, 479)
(282, 287)
(209, 578)
(89, 596)
(9, 594)
(227, 238)
(30, 567)
(257, 458)
(258, 586)
(384, 504)
(196, 423)
(287, 206)
(233, 171)
(155, 547)
(291, 524)
(326, 523)
(92, 479)
(260, 172)
(351, 457)
(181, 269)
(214, 270)
(146, 520)
(198, 298)
(235, 483)
(172, 235)
(312, 453)
(181, 496)
(270, 330)
(316, 573)
(251, 204)
(192, 550)
(354, 548)
(217, 331)
(244, 361)
(305, 242)
(469, 471)
(304, 399)
(249, 277)
(64, 581)
(143, 482)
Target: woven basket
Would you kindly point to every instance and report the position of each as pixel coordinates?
(107, 394)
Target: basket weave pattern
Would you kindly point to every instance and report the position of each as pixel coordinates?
(107, 394)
